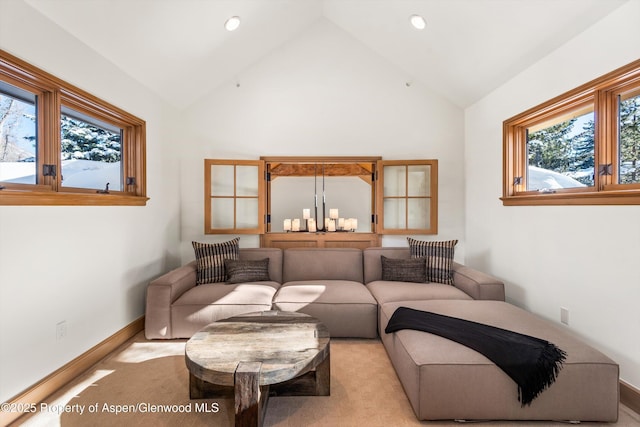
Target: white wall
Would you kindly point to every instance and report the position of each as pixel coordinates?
(88, 266)
(323, 93)
(583, 258)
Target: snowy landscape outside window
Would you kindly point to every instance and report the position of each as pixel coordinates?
(91, 153)
(60, 145)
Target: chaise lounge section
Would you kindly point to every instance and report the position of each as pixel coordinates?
(445, 380)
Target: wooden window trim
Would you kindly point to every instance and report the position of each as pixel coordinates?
(376, 165)
(433, 197)
(603, 93)
(208, 197)
(53, 92)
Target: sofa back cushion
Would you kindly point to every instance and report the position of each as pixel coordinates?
(275, 260)
(373, 263)
(322, 264)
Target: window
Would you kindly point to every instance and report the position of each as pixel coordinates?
(62, 146)
(582, 147)
(234, 197)
(407, 192)
(376, 196)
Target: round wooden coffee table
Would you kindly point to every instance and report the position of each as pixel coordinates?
(256, 355)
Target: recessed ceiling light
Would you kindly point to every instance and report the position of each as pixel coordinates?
(418, 22)
(232, 23)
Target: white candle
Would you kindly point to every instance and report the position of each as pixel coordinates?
(312, 225)
(340, 223)
(347, 224)
(326, 223)
(332, 225)
(295, 224)
(354, 223)
(306, 213)
(333, 213)
(287, 225)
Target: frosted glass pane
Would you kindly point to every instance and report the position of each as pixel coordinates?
(222, 180)
(221, 213)
(247, 181)
(394, 181)
(394, 213)
(419, 213)
(247, 213)
(419, 181)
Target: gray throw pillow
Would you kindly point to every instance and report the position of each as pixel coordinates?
(403, 270)
(242, 271)
(210, 259)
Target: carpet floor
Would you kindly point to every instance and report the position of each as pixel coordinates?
(143, 376)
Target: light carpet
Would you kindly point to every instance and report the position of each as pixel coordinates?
(148, 377)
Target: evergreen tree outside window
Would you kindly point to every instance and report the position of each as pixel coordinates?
(629, 137)
(91, 153)
(564, 146)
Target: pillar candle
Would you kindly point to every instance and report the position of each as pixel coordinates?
(312, 225)
(333, 213)
(306, 213)
(332, 225)
(287, 225)
(295, 224)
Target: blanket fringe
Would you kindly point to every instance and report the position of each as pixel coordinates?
(545, 373)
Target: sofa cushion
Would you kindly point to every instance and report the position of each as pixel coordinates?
(225, 294)
(322, 264)
(346, 307)
(403, 270)
(386, 291)
(240, 271)
(439, 257)
(210, 259)
(210, 302)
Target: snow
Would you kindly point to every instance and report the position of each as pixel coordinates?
(545, 179)
(75, 173)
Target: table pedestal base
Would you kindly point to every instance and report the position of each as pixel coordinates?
(251, 398)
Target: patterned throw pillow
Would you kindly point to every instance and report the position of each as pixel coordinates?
(439, 256)
(210, 259)
(242, 271)
(403, 270)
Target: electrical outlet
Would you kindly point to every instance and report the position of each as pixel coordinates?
(564, 315)
(61, 330)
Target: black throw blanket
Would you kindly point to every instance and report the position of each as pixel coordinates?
(531, 362)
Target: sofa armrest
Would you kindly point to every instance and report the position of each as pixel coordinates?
(477, 284)
(161, 293)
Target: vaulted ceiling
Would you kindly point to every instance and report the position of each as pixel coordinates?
(180, 48)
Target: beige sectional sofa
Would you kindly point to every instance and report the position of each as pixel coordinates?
(344, 288)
